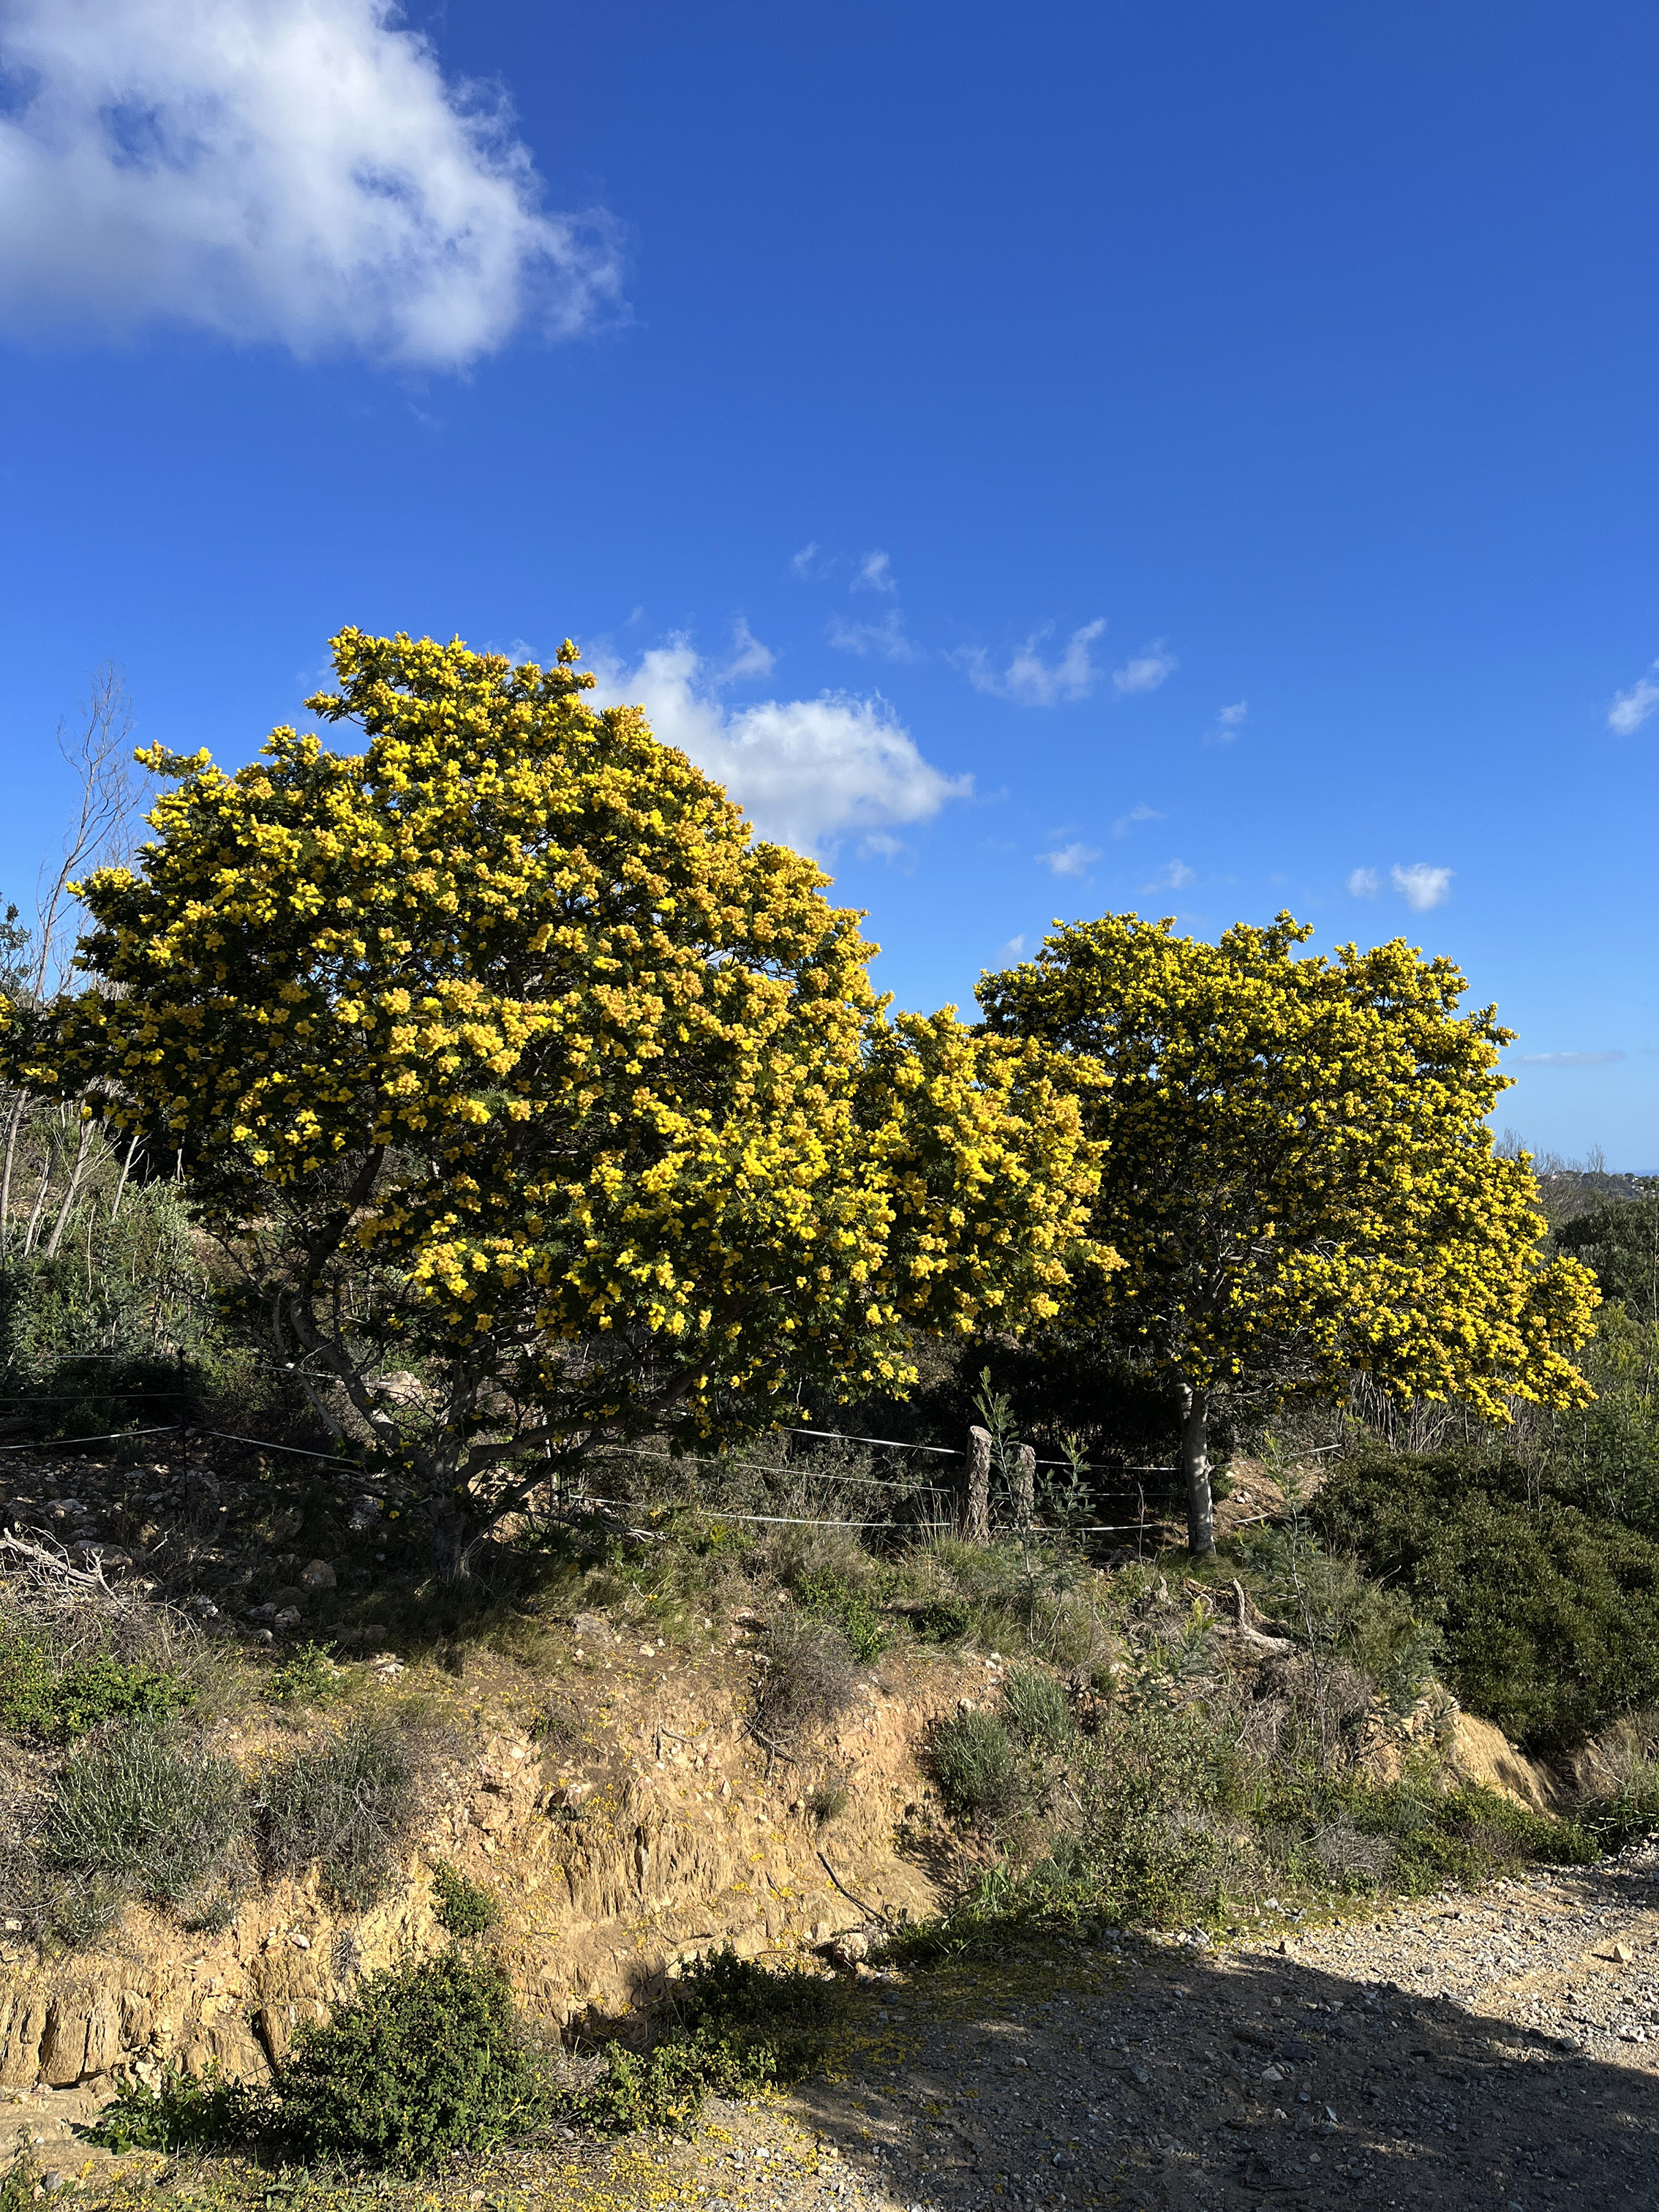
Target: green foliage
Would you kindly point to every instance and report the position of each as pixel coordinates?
(1619, 1242)
(346, 1803)
(22, 2177)
(852, 1606)
(309, 1677)
(1550, 1614)
(971, 1757)
(59, 1701)
(179, 2113)
(1038, 1710)
(141, 1814)
(740, 2029)
(463, 1907)
(425, 2060)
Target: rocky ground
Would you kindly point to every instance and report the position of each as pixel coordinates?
(1493, 2050)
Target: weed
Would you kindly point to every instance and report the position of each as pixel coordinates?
(828, 1799)
(347, 1803)
(58, 1701)
(425, 2060)
(971, 1756)
(851, 1605)
(140, 1814)
(463, 1907)
(740, 2029)
(178, 2113)
(309, 1678)
(1038, 1710)
(804, 1678)
(21, 2183)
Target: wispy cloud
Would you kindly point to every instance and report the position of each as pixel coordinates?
(1420, 885)
(807, 771)
(805, 564)
(1069, 860)
(1013, 949)
(1228, 723)
(277, 171)
(1031, 680)
(1175, 878)
(1365, 883)
(1629, 709)
(749, 656)
(1570, 1059)
(1149, 668)
(1125, 822)
(874, 573)
(887, 639)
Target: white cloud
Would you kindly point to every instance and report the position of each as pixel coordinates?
(1034, 682)
(1147, 670)
(1228, 723)
(749, 656)
(888, 639)
(1421, 886)
(1069, 860)
(1125, 822)
(291, 171)
(1175, 878)
(1365, 883)
(1629, 709)
(1570, 1059)
(803, 564)
(807, 771)
(875, 574)
(1013, 949)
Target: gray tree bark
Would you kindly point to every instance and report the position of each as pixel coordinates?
(1025, 1486)
(1195, 1469)
(976, 1505)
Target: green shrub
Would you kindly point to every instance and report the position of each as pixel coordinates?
(60, 1702)
(346, 1804)
(141, 1815)
(463, 1907)
(426, 2059)
(179, 2114)
(739, 2029)
(1550, 1614)
(1039, 1712)
(971, 1757)
(310, 1677)
(852, 1606)
(945, 1620)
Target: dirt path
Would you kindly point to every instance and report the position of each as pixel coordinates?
(1497, 2049)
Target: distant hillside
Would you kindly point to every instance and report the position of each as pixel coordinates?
(1567, 1192)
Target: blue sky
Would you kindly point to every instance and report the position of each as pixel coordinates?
(1184, 456)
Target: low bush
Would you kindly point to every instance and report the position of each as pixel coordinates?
(58, 1698)
(463, 1907)
(179, 2113)
(1550, 1614)
(804, 1678)
(971, 1757)
(142, 1814)
(347, 1805)
(739, 2029)
(1039, 1712)
(424, 2060)
(309, 1677)
(852, 1606)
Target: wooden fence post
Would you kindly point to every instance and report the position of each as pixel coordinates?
(1024, 1485)
(977, 1515)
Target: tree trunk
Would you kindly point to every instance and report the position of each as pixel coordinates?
(455, 1530)
(82, 1148)
(13, 1123)
(976, 1505)
(1024, 1485)
(1195, 1470)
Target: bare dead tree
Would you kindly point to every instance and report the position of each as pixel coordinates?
(98, 751)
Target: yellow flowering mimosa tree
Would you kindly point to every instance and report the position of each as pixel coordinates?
(498, 1050)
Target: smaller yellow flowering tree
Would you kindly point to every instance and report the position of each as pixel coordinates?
(1298, 1172)
(498, 1051)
